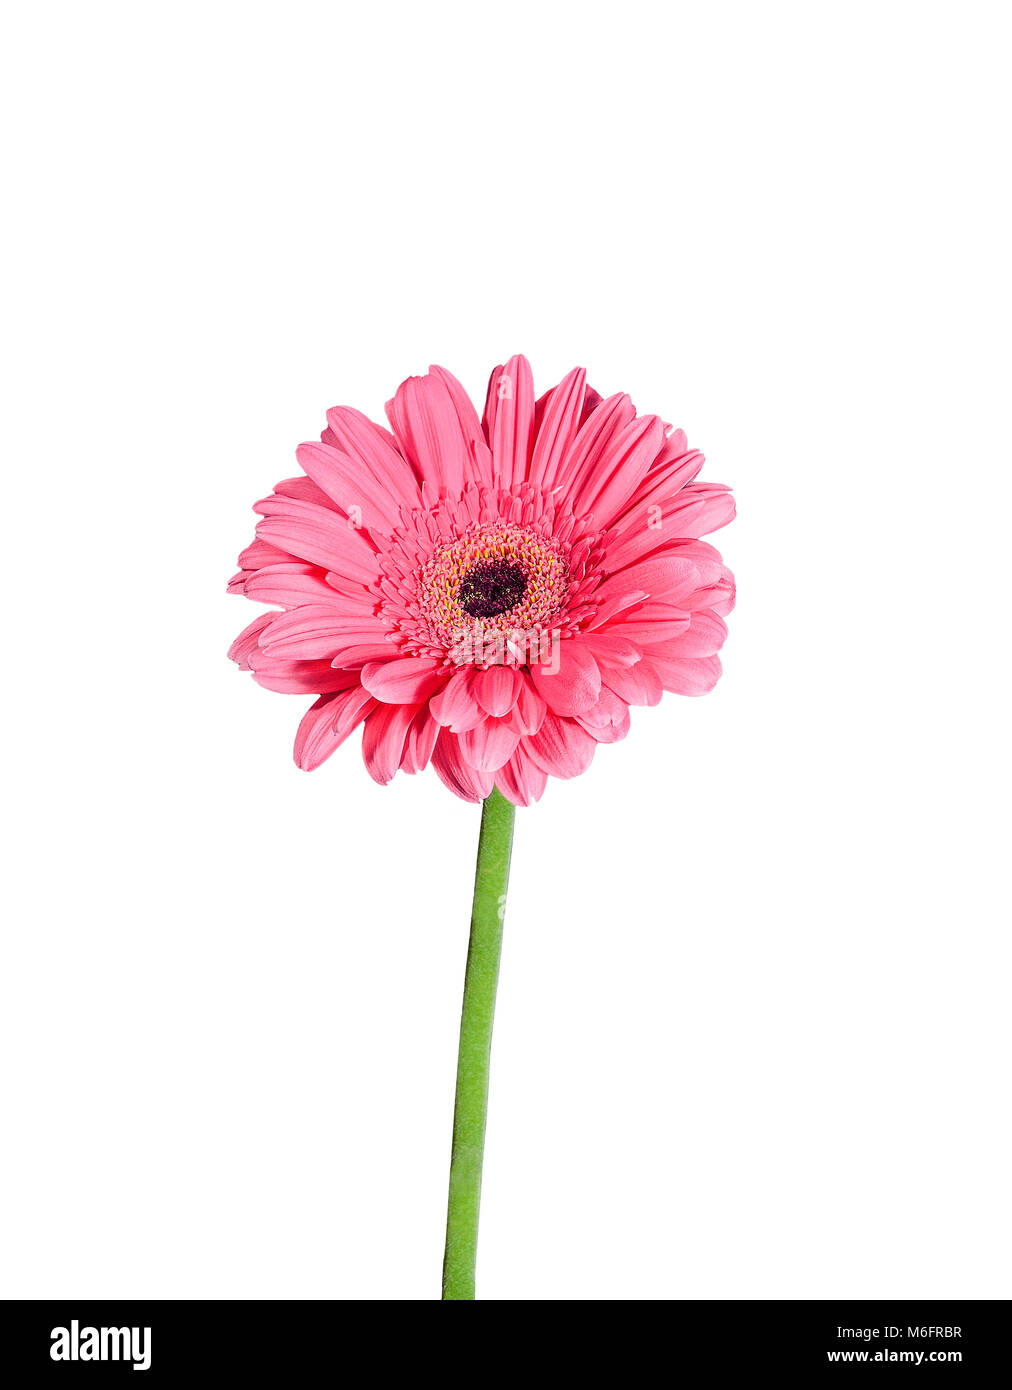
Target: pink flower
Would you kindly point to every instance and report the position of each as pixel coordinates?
(489, 596)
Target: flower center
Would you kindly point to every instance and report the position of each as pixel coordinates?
(492, 587)
(495, 577)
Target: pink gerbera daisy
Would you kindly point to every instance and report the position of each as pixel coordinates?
(489, 596)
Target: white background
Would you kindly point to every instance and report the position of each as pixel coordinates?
(753, 1035)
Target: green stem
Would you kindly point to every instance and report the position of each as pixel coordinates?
(495, 842)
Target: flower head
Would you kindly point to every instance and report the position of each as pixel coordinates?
(489, 596)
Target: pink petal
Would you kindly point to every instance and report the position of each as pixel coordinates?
(560, 411)
(652, 622)
(357, 649)
(428, 428)
(605, 487)
(660, 517)
(560, 747)
(489, 744)
(260, 553)
(520, 780)
(668, 474)
(383, 739)
(608, 721)
(686, 675)
(420, 742)
(328, 723)
(670, 577)
(497, 689)
(480, 465)
(509, 420)
(696, 510)
(464, 781)
(607, 613)
(249, 639)
(376, 449)
(303, 490)
(716, 582)
(360, 595)
(320, 536)
(455, 705)
(317, 630)
(636, 685)
(696, 550)
(356, 492)
(290, 585)
(530, 709)
(723, 604)
(595, 440)
(701, 508)
(704, 637)
(406, 680)
(610, 648)
(591, 401)
(716, 589)
(575, 686)
(299, 677)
